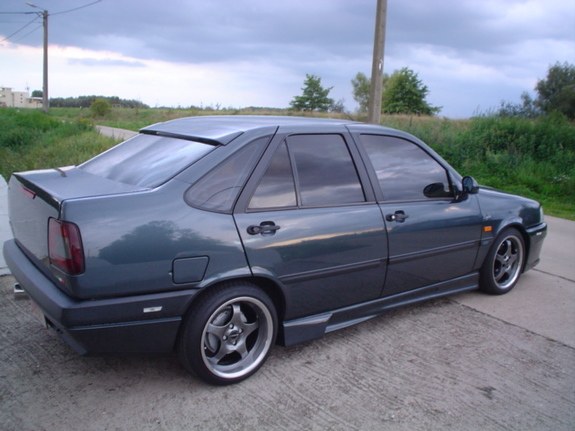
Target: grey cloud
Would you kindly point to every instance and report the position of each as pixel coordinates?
(329, 38)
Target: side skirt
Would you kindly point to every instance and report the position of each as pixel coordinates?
(312, 327)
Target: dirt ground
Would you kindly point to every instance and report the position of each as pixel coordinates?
(436, 366)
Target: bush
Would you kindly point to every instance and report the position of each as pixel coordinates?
(100, 108)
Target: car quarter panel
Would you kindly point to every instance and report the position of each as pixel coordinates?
(151, 242)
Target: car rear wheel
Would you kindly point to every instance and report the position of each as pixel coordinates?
(504, 263)
(228, 334)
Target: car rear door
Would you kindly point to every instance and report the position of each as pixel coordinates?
(433, 237)
(308, 219)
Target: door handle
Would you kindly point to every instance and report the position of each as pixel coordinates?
(398, 216)
(265, 227)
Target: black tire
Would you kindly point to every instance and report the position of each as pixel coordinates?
(504, 263)
(228, 334)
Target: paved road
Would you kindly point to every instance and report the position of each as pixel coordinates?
(544, 300)
(112, 132)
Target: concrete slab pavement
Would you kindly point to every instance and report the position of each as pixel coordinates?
(544, 299)
(113, 132)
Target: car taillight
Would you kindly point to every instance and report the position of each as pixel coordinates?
(65, 246)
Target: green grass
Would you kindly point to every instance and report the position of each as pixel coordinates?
(32, 140)
(534, 158)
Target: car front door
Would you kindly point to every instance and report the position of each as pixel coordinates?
(433, 237)
(306, 219)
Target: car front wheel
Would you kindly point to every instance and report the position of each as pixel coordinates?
(228, 334)
(504, 263)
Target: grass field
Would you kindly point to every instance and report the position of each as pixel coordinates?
(535, 158)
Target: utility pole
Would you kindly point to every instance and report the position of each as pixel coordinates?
(45, 99)
(374, 110)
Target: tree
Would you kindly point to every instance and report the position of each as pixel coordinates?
(338, 106)
(100, 107)
(37, 93)
(557, 91)
(404, 93)
(525, 109)
(314, 96)
(361, 85)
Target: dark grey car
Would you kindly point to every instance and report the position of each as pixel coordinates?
(218, 236)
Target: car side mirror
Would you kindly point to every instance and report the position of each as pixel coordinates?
(436, 190)
(469, 185)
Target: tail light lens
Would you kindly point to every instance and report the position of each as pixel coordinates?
(65, 246)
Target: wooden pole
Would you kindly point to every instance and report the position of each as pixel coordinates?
(45, 99)
(374, 110)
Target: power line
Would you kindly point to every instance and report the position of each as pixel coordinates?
(37, 15)
(20, 29)
(44, 14)
(76, 8)
(27, 34)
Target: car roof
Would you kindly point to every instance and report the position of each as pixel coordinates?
(222, 129)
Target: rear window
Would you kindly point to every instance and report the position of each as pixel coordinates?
(146, 160)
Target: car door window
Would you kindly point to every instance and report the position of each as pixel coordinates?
(277, 188)
(404, 170)
(309, 171)
(218, 190)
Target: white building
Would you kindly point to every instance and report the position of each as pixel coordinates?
(18, 99)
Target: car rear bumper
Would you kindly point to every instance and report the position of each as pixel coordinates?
(143, 323)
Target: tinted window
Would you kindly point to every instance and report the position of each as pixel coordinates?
(404, 170)
(325, 174)
(276, 189)
(146, 160)
(218, 190)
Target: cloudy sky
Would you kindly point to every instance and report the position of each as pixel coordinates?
(472, 54)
